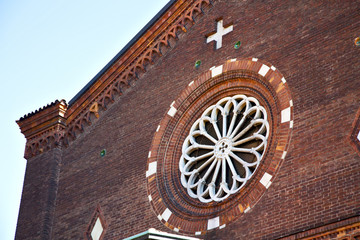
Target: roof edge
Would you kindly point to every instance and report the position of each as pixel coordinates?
(30, 114)
(152, 42)
(122, 51)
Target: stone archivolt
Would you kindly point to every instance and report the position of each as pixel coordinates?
(117, 78)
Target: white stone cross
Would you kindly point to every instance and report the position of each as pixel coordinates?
(220, 32)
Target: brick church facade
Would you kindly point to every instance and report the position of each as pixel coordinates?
(219, 120)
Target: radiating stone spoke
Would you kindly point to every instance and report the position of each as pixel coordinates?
(203, 146)
(209, 170)
(224, 125)
(238, 126)
(201, 157)
(201, 168)
(244, 131)
(241, 161)
(189, 164)
(216, 172)
(246, 150)
(223, 172)
(232, 123)
(218, 134)
(210, 137)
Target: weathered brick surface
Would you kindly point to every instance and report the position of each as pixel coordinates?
(39, 196)
(311, 43)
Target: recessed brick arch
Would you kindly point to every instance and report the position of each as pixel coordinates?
(168, 198)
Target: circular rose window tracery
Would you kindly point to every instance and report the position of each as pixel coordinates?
(224, 148)
(219, 146)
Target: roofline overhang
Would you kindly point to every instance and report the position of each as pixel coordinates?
(122, 51)
(153, 41)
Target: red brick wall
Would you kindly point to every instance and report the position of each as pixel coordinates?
(39, 196)
(311, 44)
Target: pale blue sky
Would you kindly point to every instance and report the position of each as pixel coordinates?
(49, 50)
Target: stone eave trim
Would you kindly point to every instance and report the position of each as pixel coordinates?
(43, 119)
(122, 52)
(131, 65)
(38, 112)
(148, 46)
(133, 61)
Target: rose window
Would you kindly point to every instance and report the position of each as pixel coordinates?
(224, 148)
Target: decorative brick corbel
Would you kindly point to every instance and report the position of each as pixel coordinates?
(130, 67)
(56, 125)
(44, 129)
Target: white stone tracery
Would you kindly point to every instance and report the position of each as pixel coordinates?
(224, 148)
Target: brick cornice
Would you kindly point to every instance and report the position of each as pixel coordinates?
(128, 58)
(131, 65)
(43, 132)
(43, 129)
